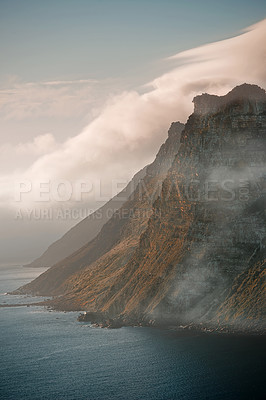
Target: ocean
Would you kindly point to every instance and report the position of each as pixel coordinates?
(50, 355)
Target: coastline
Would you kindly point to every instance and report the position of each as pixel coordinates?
(103, 321)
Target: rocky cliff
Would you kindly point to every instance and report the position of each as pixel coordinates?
(203, 232)
(199, 257)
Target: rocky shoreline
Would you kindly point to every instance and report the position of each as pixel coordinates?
(101, 320)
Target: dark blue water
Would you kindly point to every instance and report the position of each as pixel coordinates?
(49, 355)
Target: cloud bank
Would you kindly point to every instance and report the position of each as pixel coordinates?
(61, 98)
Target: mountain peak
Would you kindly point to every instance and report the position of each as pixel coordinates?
(247, 90)
(245, 94)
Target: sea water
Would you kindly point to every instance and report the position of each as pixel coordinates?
(50, 355)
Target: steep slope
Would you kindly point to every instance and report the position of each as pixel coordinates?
(87, 229)
(203, 234)
(245, 302)
(119, 237)
(245, 305)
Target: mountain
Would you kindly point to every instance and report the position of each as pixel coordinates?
(119, 237)
(87, 229)
(199, 257)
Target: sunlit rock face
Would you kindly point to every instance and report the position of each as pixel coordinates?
(206, 228)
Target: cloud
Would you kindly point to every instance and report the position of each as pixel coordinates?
(60, 98)
(24, 154)
(41, 144)
(131, 126)
(73, 82)
(236, 59)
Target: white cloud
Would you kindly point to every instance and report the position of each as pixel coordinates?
(61, 98)
(41, 144)
(21, 155)
(73, 82)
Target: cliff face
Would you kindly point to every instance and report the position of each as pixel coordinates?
(207, 229)
(118, 238)
(203, 232)
(201, 251)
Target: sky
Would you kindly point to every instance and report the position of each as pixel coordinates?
(88, 90)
